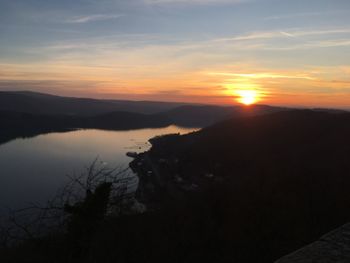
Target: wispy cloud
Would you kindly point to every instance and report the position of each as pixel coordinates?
(154, 2)
(92, 18)
(285, 33)
(304, 14)
(266, 75)
(310, 45)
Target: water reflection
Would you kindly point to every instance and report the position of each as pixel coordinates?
(31, 170)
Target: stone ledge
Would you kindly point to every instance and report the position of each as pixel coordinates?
(333, 247)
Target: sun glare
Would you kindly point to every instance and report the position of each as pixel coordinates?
(247, 97)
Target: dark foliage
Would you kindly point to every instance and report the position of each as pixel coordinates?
(286, 176)
(85, 218)
(280, 181)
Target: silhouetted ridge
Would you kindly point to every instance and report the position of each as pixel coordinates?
(281, 180)
(128, 120)
(39, 103)
(206, 115)
(199, 115)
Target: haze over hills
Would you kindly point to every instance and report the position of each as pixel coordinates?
(19, 124)
(40, 103)
(29, 113)
(202, 116)
(26, 113)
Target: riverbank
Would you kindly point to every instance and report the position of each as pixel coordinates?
(161, 174)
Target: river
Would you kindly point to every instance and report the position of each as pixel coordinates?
(33, 169)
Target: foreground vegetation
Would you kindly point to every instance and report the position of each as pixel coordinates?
(277, 182)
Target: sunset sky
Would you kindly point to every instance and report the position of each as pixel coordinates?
(293, 53)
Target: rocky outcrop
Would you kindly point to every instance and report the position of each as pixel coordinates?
(333, 247)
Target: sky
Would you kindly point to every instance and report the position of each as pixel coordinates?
(291, 53)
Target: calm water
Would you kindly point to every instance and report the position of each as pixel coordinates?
(32, 170)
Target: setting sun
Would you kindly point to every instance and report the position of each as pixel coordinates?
(247, 97)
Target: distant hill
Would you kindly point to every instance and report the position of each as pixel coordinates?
(13, 122)
(17, 124)
(199, 116)
(39, 103)
(205, 115)
(28, 114)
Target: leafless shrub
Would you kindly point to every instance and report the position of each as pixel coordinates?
(35, 220)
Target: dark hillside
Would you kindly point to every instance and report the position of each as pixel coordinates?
(15, 124)
(249, 189)
(283, 179)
